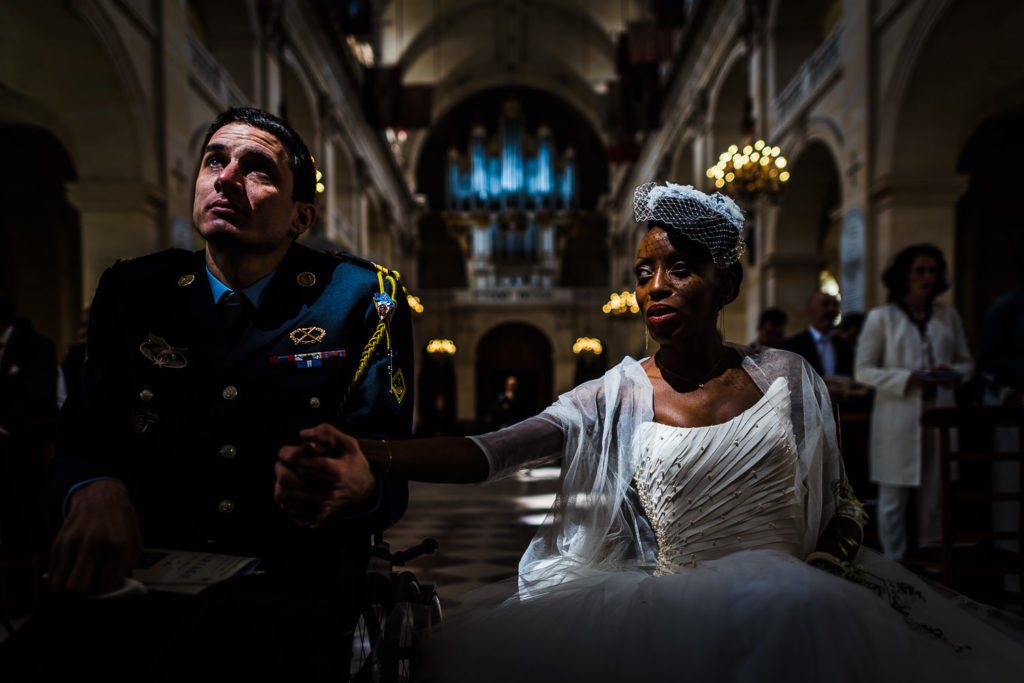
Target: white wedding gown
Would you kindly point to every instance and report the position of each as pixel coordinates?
(730, 599)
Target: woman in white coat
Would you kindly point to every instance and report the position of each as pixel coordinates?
(913, 352)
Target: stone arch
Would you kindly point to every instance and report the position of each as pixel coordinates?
(40, 247)
(917, 99)
(477, 79)
(805, 238)
(98, 102)
(514, 348)
(906, 65)
(935, 94)
(135, 96)
(989, 228)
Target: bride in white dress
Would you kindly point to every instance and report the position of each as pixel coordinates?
(703, 530)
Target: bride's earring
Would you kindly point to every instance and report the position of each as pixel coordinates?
(647, 339)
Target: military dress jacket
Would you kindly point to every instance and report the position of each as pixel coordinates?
(193, 424)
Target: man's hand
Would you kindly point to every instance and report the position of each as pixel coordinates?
(328, 471)
(99, 542)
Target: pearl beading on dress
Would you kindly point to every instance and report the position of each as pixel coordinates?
(711, 491)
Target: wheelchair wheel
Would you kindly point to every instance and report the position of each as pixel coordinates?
(368, 632)
(400, 631)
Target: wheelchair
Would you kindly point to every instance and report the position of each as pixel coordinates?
(397, 613)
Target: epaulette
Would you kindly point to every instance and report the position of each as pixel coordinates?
(370, 265)
(156, 257)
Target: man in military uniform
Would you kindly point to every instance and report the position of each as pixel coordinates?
(203, 368)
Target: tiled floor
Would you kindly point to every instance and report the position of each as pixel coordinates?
(481, 530)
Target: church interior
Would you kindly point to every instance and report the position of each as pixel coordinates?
(488, 150)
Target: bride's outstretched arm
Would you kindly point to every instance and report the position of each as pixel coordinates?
(442, 459)
(331, 470)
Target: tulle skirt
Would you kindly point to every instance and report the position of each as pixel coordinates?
(752, 616)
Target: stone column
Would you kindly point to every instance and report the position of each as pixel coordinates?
(119, 220)
(908, 210)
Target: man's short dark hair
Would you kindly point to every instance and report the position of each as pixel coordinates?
(300, 162)
(773, 316)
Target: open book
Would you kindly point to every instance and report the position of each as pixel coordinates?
(179, 571)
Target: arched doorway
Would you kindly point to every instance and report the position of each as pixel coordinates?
(519, 350)
(39, 232)
(989, 227)
(436, 395)
(933, 95)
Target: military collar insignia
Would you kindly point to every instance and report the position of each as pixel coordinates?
(308, 335)
(305, 279)
(162, 354)
(384, 304)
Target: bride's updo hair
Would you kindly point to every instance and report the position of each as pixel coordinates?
(713, 223)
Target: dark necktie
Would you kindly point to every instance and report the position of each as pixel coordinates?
(235, 313)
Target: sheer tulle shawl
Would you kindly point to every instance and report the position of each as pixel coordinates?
(597, 523)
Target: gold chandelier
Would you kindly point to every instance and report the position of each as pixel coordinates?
(588, 345)
(756, 170)
(621, 302)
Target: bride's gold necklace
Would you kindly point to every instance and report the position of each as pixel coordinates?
(685, 381)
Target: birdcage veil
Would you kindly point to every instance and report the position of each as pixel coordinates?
(714, 221)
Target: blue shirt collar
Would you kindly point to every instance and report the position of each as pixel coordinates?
(817, 336)
(254, 292)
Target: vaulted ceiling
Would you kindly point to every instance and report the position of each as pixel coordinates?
(462, 47)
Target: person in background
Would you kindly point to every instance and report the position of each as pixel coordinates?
(1001, 352)
(912, 352)
(437, 419)
(70, 379)
(829, 355)
(508, 406)
(771, 328)
(28, 411)
(849, 328)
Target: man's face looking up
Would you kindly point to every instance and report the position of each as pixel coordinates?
(244, 192)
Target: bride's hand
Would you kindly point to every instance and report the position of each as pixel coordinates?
(323, 474)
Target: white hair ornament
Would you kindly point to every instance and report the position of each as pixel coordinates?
(714, 221)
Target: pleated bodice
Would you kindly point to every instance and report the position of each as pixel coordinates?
(711, 491)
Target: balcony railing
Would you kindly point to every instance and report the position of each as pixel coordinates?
(589, 298)
(208, 72)
(812, 74)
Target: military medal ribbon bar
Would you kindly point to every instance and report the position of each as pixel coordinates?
(313, 359)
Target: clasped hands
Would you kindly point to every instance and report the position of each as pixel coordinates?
(100, 540)
(323, 474)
